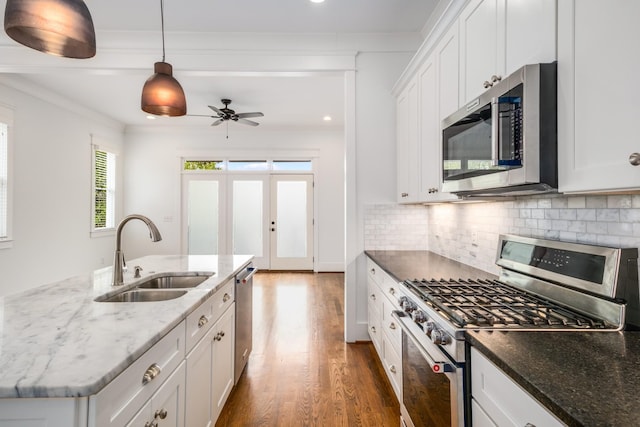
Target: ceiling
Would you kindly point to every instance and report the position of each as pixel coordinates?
(288, 99)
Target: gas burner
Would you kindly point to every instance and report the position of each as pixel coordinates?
(492, 304)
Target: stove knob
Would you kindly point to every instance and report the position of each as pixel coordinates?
(419, 316)
(409, 306)
(440, 338)
(401, 300)
(429, 327)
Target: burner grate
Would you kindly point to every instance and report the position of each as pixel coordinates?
(493, 304)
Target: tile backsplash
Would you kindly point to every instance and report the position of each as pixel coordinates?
(468, 232)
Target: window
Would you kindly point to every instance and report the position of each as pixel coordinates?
(104, 189)
(203, 165)
(6, 124)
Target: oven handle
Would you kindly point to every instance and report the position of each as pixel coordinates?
(436, 367)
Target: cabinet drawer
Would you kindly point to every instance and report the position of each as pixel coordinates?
(123, 397)
(388, 285)
(202, 318)
(393, 366)
(502, 400)
(392, 331)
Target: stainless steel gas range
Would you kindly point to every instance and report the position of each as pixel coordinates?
(543, 285)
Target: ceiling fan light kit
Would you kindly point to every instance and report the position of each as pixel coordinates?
(162, 95)
(57, 27)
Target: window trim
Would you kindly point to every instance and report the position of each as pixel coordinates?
(7, 117)
(98, 145)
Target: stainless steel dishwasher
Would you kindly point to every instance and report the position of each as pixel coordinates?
(244, 319)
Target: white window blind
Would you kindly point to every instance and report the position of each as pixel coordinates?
(4, 180)
(104, 189)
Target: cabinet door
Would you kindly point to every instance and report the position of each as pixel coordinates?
(480, 57)
(223, 359)
(448, 60)
(429, 131)
(407, 144)
(597, 95)
(530, 33)
(199, 403)
(168, 404)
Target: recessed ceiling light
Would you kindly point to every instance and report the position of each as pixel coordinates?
(327, 118)
(150, 117)
(316, 1)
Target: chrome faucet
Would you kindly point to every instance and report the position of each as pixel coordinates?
(118, 260)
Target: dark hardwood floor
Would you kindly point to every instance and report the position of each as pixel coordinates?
(301, 372)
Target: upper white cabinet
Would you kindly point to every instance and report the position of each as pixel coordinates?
(597, 95)
(408, 157)
(499, 36)
(447, 55)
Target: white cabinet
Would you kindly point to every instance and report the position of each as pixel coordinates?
(118, 402)
(499, 36)
(499, 401)
(597, 95)
(408, 159)
(210, 371)
(438, 88)
(386, 335)
(166, 408)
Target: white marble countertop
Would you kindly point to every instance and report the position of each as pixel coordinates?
(56, 341)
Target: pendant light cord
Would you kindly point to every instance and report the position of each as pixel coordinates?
(162, 21)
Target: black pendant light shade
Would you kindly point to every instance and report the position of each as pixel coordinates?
(162, 95)
(58, 27)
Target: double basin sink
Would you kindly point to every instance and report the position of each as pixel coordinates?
(159, 288)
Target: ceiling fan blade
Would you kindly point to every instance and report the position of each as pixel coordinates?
(217, 122)
(216, 110)
(204, 115)
(249, 115)
(248, 122)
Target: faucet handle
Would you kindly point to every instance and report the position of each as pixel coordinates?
(137, 270)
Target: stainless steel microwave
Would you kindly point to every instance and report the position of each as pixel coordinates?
(505, 141)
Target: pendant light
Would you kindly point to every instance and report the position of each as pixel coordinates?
(162, 95)
(58, 27)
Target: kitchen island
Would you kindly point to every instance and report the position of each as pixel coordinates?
(57, 342)
(584, 378)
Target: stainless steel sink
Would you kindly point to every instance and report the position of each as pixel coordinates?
(138, 295)
(172, 282)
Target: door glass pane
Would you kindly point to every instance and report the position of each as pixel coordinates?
(203, 217)
(291, 224)
(247, 217)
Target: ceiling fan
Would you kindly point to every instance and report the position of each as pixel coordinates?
(225, 114)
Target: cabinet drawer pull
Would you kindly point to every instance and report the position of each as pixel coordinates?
(392, 325)
(529, 425)
(151, 372)
(373, 297)
(392, 291)
(219, 336)
(634, 159)
(392, 368)
(161, 413)
(373, 329)
(405, 194)
(495, 79)
(202, 321)
(373, 271)
(487, 84)
(226, 297)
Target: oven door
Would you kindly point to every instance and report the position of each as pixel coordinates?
(432, 385)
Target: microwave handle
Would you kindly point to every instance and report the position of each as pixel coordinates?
(495, 131)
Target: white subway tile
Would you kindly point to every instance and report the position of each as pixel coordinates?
(576, 202)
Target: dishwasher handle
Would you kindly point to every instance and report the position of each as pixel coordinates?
(249, 272)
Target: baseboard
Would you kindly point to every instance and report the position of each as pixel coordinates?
(330, 267)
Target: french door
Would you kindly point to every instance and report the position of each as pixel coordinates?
(291, 222)
(268, 216)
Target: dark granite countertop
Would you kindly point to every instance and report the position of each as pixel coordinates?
(584, 378)
(408, 265)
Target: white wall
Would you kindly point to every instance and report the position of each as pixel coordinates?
(375, 173)
(52, 190)
(153, 182)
